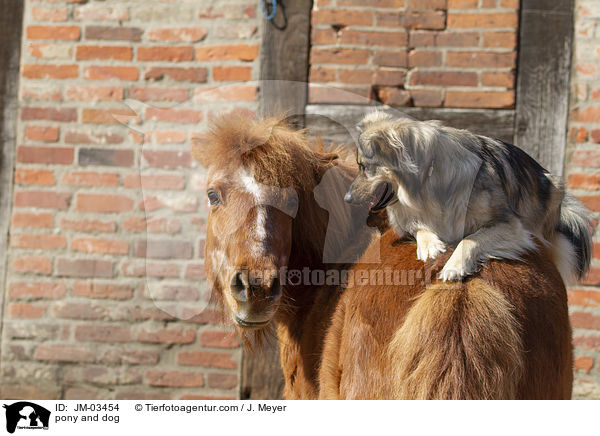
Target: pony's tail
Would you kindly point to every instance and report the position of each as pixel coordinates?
(458, 342)
(572, 248)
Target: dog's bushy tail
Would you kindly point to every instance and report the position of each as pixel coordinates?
(572, 250)
(456, 344)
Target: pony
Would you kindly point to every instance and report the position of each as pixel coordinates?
(356, 315)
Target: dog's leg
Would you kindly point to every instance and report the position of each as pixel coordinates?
(507, 240)
(428, 245)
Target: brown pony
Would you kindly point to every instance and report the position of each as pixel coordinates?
(380, 329)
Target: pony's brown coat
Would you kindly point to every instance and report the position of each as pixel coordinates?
(504, 333)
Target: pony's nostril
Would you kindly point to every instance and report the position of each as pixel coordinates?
(238, 287)
(275, 289)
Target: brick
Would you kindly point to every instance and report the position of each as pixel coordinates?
(397, 58)
(422, 58)
(482, 20)
(593, 276)
(480, 59)
(239, 52)
(586, 158)
(391, 39)
(195, 272)
(373, 3)
(80, 394)
(457, 39)
(102, 333)
(196, 75)
(165, 53)
(578, 134)
(592, 202)
(232, 73)
(421, 38)
(427, 4)
(506, 80)
(154, 181)
(219, 339)
(29, 113)
(462, 4)
(595, 136)
(88, 178)
(426, 98)
(84, 268)
(105, 157)
(104, 138)
(38, 241)
(323, 36)
(104, 203)
(107, 116)
(108, 33)
(177, 34)
(165, 137)
(118, 355)
(187, 116)
(33, 265)
(41, 220)
(207, 316)
(342, 18)
(322, 74)
(392, 96)
(483, 99)
(587, 342)
(57, 33)
(48, 51)
(163, 249)
(159, 94)
(42, 199)
(34, 177)
(45, 155)
(500, 40)
(44, 93)
(49, 14)
(37, 290)
(205, 358)
(50, 71)
(100, 12)
(339, 56)
(63, 353)
(103, 52)
(173, 293)
(167, 159)
(221, 93)
(358, 95)
(156, 270)
(94, 93)
(430, 20)
(71, 310)
(175, 379)
(443, 78)
(102, 291)
(584, 363)
(42, 133)
(585, 320)
(237, 32)
(26, 311)
(100, 245)
(167, 336)
(510, 4)
(356, 76)
(589, 114)
(152, 225)
(222, 381)
(109, 72)
(88, 226)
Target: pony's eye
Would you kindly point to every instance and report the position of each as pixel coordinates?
(213, 197)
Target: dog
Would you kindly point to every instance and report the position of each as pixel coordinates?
(450, 187)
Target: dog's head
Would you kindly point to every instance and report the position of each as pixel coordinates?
(382, 153)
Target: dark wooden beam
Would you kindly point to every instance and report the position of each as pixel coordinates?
(284, 59)
(283, 88)
(11, 23)
(545, 46)
(336, 123)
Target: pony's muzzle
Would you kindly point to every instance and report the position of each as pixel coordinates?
(255, 295)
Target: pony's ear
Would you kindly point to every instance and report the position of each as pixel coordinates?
(329, 157)
(200, 150)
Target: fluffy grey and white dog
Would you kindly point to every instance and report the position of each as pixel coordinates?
(487, 198)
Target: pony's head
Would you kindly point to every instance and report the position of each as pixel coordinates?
(260, 175)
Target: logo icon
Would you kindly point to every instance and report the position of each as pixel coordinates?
(26, 415)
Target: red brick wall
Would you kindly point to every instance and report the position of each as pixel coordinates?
(104, 293)
(583, 175)
(450, 53)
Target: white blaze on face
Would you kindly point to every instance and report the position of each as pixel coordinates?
(257, 191)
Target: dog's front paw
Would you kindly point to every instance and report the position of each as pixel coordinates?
(429, 245)
(457, 268)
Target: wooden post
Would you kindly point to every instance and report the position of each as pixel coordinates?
(11, 23)
(545, 46)
(283, 88)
